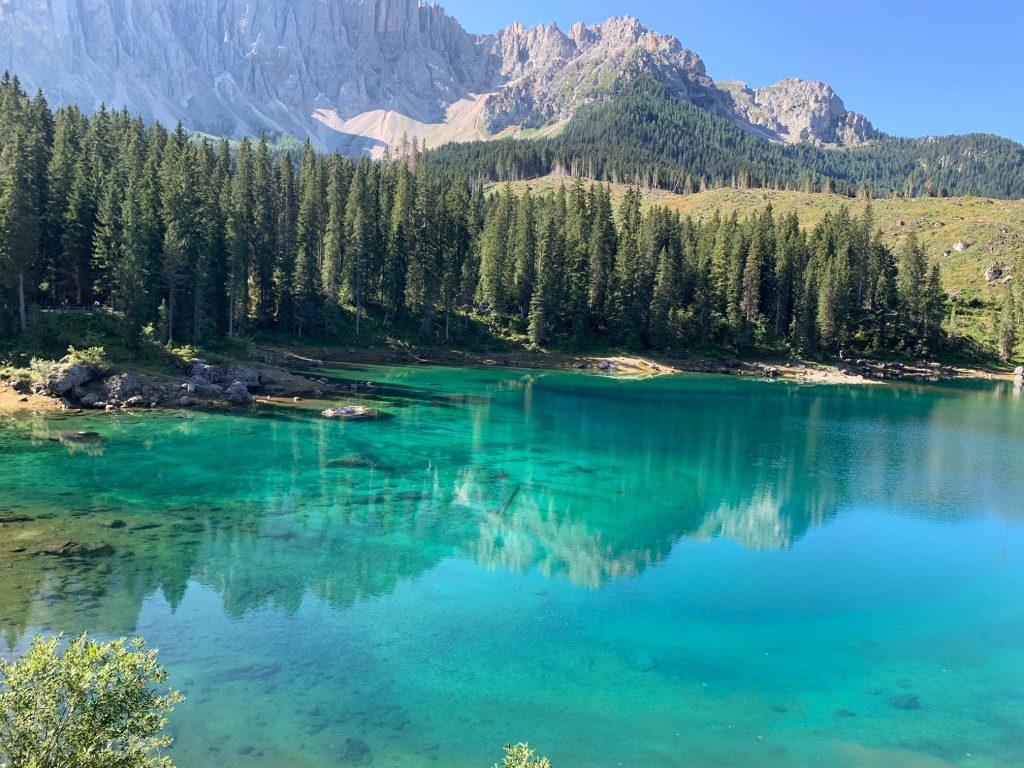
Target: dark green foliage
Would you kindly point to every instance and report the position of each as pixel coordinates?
(649, 136)
(201, 242)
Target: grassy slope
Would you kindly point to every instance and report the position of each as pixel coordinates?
(979, 222)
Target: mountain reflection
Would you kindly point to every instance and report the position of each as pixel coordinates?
(576, 478)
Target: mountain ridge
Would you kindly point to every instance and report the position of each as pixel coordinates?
(357, 75)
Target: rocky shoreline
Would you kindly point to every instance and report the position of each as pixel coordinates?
(75, 386)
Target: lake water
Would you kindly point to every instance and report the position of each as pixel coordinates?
(680, 572)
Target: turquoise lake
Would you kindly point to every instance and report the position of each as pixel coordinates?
(694, 571)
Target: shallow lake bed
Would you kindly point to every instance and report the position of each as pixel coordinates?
(692, 571)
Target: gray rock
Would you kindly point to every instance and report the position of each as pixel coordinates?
(76, 549)
(352, 413)
(136, 402)
(201, 370)
(796, 110)
(200, 387)
(992, 274)
(242, 373)
(90, 400)
(76, 438)
(64, 377)
(122, 386)
(187, 401)
(238, 394)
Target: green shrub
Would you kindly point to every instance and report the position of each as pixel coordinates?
(97, 705)
(521, 756)
(39, 370)
(93, 357)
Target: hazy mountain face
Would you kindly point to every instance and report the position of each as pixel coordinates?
(358, 74)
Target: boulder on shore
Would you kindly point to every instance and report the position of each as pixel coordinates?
(62, 378)
(242, 373)
(1018, 373)
(201, 387)
(238, 394)
(122, 386)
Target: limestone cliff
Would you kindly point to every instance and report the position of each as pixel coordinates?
(357, 74)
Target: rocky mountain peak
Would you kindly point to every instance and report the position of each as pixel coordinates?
(356, 74)
(795, 110)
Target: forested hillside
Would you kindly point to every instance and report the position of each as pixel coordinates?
(187, 241)
(649, 136)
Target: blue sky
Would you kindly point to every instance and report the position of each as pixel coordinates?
(914, 67)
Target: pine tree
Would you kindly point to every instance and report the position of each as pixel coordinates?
(262, 225)
(334, 235)
(524, 252)
(359, 241)
(285, 240)
(542, 308)
(913, 294)
(494, 261)
(309, 238)
(19, 215)
(603, 246)
(400, 239)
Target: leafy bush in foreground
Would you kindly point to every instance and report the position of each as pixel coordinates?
(97, 705)
(521, 756)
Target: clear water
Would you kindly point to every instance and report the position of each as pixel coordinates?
(675, 572)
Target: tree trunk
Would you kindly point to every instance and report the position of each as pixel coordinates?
(231, 308)
(21, 301)
(170, 318)
(197, 312)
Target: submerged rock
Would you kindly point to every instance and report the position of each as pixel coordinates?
(905, 701)
(358, 462)
(77, 549)
(77, 438)
(356, 752)
(642, 662)
(353, 413)
(6, 519)
(466, 399)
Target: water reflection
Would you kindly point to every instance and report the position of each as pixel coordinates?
(578, 478)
